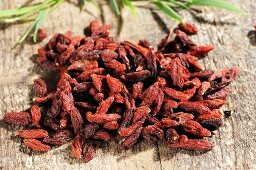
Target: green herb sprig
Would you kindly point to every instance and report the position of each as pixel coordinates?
(38, 12)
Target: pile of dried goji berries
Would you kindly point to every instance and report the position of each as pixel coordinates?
(108, 89)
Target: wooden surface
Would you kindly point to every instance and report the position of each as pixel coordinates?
(235, 45)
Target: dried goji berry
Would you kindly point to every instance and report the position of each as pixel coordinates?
(35, 115)
(188, 28)
(59, 138)
(200, 51)
(101, 134)
(150, 95)
(17, 118)
(195, 128)
(41, 34)
(77, 147)
(194, 107)
(152, 133)
(129, 130)
(40, 87)
(89, 130)
(88, 152)
(101, 118)
(140, 112)
(114, 84)
(32, 133)
(112, 125)
(105, 105)
(132, 139)
(192, 144)
(36, 145)
(76, 119)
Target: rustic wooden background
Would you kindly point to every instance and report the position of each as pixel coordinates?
(235, 44)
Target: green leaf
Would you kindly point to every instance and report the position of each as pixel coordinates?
(168, 10)
(24, 10)
(81, 4)
(20, 18)
(16, 11)
(178, 4)
(115, 6)
(216, 3)
(131, 7)
(40, 20)
(25, 35)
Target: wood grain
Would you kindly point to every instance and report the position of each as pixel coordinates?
(234, 45)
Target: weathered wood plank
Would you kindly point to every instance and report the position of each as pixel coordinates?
(234, 142)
